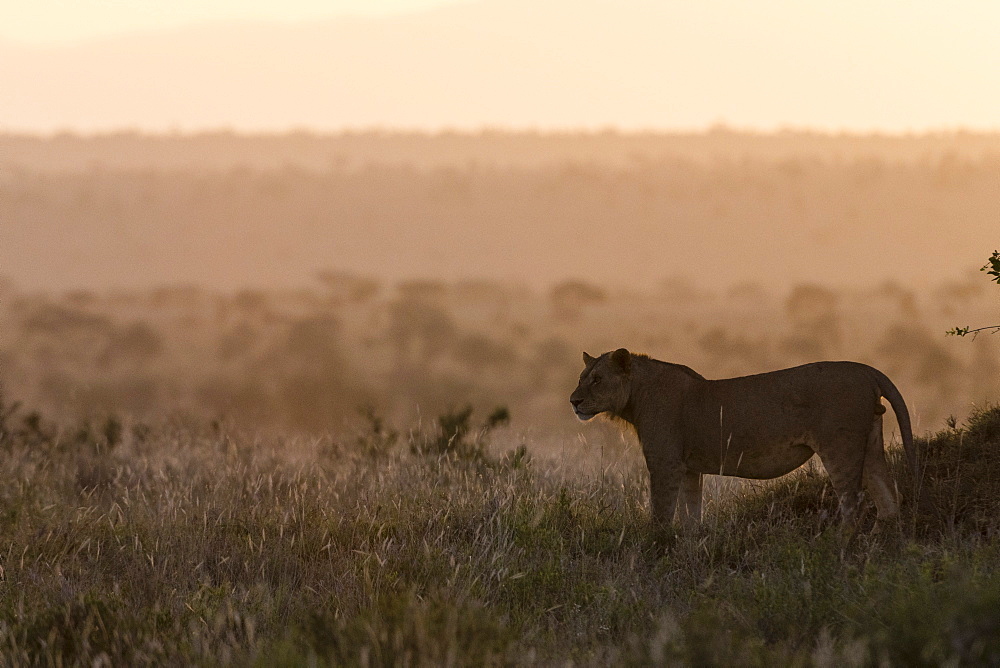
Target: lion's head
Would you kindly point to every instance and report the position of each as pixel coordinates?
(604, 384)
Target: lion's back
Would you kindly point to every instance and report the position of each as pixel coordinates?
(768, 417)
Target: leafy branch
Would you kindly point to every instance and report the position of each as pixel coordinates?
(964, 331)
(992, 267)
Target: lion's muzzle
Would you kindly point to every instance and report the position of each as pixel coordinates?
(582, 415)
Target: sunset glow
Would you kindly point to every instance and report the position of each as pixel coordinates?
(53, 22)
(889, 65)
(499, 332)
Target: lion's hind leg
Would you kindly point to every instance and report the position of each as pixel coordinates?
(877, 479)
(844, 460)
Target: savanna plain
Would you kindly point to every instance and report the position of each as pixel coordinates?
(352, 467)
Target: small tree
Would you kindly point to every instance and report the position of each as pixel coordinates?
(992, 267)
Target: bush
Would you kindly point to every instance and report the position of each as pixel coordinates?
(453, 436)
(961, 476)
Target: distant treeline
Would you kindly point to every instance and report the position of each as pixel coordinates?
(313, 358)
(223, 150)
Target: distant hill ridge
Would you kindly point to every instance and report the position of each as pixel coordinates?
(229, 211)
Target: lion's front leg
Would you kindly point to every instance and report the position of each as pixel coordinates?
(665, 475)
(690, 495)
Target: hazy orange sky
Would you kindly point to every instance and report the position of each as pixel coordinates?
(62, 21)
(268, 65)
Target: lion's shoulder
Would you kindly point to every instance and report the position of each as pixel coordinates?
(686, 370)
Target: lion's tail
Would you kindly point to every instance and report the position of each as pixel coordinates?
(895, 399)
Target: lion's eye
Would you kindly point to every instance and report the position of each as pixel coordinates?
(597, 380)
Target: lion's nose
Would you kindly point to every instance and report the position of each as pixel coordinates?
(576, 402)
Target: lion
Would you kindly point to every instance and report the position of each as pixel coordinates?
(760, 426)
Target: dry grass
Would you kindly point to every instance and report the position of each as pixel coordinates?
(192, 544)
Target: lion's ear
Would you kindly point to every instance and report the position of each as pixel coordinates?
(587, 359)
(623, 358)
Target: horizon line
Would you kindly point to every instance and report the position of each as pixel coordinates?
(720, 128)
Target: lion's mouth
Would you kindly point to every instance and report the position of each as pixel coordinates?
(583, 416)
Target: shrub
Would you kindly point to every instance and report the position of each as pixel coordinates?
(379, 439)
(454, 437)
